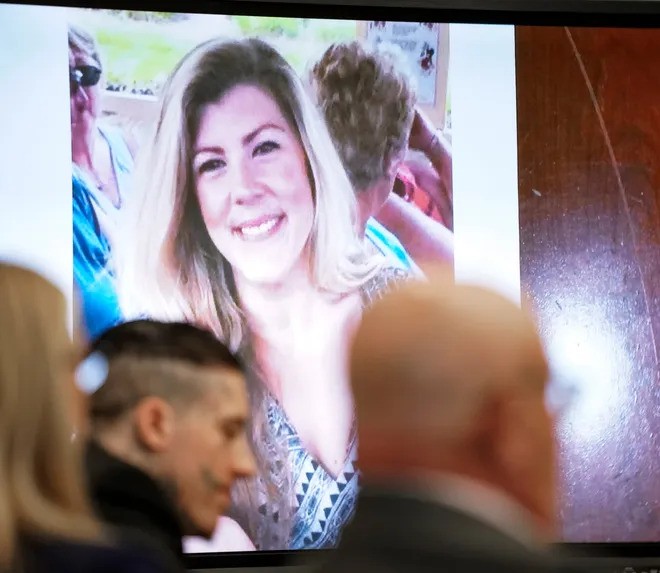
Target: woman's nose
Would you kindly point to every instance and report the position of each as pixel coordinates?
(245, 190)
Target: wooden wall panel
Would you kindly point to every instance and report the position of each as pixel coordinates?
(589, 176)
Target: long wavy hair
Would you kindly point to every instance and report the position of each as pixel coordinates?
(169, 268)
(41, 470)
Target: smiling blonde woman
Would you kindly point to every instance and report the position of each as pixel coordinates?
(245, 223)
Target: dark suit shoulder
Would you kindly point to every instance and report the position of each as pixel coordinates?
(135, 507)
(381, 558)
(45, 555)
(393, 533)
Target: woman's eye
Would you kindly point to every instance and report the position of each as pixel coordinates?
(210, 165)
(266, 147)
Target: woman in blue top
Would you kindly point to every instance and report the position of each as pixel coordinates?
(102, 165)
(91, 265)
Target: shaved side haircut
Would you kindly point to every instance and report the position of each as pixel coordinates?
(145, 358)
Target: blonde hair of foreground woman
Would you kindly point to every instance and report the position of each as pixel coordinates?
(42, 491)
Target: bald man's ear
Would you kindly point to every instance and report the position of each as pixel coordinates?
(154, 421)
(513, 435)
(484, 436)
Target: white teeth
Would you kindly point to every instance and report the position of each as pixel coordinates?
(262, 229)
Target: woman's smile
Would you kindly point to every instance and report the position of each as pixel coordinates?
(259, 228)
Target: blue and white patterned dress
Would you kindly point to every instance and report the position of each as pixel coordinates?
(323, 505)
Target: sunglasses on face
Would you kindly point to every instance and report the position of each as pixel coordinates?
(84, 76)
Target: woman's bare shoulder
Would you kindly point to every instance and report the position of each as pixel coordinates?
(384, 281)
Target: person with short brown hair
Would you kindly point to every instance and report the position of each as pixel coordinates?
(369, 102)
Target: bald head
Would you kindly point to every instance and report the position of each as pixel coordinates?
(449, 378)
(433, 351)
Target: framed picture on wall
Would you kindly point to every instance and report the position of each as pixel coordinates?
(426, 48)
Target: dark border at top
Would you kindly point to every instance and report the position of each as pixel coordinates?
(588, 13)
(583, 13)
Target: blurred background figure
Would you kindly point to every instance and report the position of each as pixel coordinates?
(102, 164)
(368, 100)
(457, 449)
(46, 523)
(169, 410)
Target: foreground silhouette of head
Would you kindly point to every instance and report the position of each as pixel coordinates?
(450, 380)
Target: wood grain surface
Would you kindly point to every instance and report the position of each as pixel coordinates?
(589, 176)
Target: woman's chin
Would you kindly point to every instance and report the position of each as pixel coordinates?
(264, 276)
(276, 268)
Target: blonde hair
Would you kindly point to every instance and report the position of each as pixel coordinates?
(41, 471)
(367, 96)
(82, 41)
(168, 268)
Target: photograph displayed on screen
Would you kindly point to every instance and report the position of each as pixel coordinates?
(589, 196)
(268, 179)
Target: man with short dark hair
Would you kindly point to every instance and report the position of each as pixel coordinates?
(168, 432)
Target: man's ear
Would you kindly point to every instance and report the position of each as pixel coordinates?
(396, 162)
(512, 432)
(485, 431)
(154, 421)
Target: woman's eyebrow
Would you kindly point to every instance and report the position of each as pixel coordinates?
(246, 140)
(209, 149)
(269, 125)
